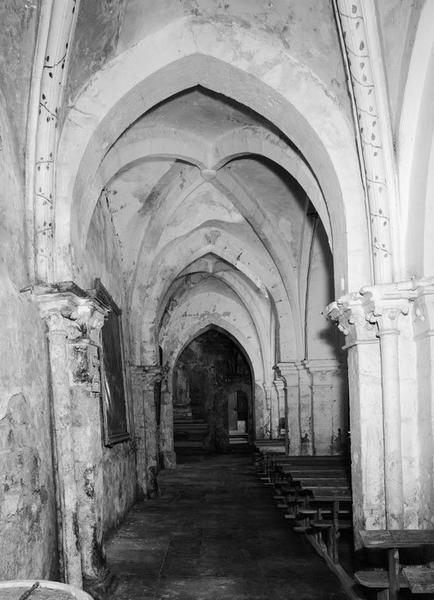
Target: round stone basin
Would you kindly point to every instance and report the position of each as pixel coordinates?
(47, 590)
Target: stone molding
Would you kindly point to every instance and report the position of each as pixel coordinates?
(55, 32)
(288, 372)
(363, 62)
(70, 312)
(323, 364)
(375, 310)
(423, 314)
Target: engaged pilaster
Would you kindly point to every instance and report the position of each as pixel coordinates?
(366, 412)
(145, 387)
(329, 408)
(167, 449)
(423, 316)
(289, 372)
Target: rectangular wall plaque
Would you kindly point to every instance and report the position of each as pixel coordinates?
(113, 392)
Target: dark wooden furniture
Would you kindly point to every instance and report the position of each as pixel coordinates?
(419, 578)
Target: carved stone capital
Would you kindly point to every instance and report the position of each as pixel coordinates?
(349, 314)
(75, 319)
(423, 313)
(68, 309)
(384, 304)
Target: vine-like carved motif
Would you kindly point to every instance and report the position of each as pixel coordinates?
(62, 22)
(370, 123)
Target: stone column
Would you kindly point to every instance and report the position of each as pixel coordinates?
(366, 413)
(276, 408)
(260, 409)
(424, 337)
(270, 412)
(305, 407)
(74, 323)
(329, 406)
(63, 449)
(167, 448)
(282, 403)
(386, 313)
(144, 380)
(88, 445)
(290, 373)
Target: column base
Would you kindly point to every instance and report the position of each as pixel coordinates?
(169, 459)
(101, 587)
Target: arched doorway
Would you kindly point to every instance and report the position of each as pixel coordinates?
(212, 395)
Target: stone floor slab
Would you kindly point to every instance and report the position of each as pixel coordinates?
(215, 534)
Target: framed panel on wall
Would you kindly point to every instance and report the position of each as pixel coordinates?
(113, 389)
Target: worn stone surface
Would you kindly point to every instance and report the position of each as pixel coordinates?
(200, 144)
(118, 462)
(215, 534)
(18, 23)
(27, 515)
(119, 483)
(95, 41)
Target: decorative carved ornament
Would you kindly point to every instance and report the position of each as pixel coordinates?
(55, 33)
(372, 122)
(375, 310)
(72, 315)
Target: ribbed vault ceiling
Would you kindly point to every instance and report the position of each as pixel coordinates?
(171, 213)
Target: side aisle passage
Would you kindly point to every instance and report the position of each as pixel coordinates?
(214, 534)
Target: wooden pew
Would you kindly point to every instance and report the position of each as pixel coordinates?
(419, 578)
(314, 492)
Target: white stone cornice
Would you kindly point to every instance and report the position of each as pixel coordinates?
(323, 364)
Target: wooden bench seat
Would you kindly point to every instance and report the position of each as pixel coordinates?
(378, 579)
(420, 579)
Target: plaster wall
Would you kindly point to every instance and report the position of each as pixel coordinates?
(323, 341)
(210, 302)
(327, 401)
(306, 29)
(28, 544)
(398, 21)
(118, 462)
(18, 23)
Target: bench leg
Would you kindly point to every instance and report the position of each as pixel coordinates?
(393, 560)
(383, 595)
(335, 532)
